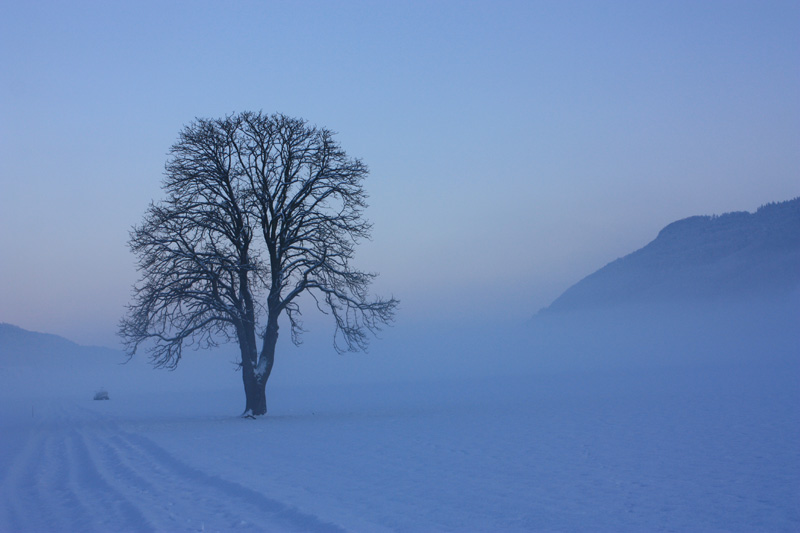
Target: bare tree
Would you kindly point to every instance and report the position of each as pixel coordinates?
(259, 210)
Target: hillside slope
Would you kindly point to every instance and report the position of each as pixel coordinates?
(701, 258)
(42, 364)
(20, 347)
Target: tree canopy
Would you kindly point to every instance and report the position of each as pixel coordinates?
(259, 209)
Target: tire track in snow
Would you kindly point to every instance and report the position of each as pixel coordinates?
(58, 496)
(53, 485)
(172, 498)
(77, 470)
(148, 481)
(124, 470)
(220, 492)
(39, 493)
(20, 483)
(97, 490)
(170, 502)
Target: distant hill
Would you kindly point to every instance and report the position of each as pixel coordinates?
(20, 347)
(701, 258)
(42, 364)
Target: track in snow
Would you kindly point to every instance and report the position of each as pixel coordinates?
(79, 471)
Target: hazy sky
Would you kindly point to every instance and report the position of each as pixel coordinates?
(514, 147)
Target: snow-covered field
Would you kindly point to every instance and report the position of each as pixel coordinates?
(678, 442)
(708, 450)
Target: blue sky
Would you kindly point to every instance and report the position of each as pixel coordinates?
(514, 147)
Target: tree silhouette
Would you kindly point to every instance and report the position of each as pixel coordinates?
(259, 209)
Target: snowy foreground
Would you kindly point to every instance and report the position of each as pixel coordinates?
(703, 448)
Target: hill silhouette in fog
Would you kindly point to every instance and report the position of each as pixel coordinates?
(20, 347)
(701, 259)
(43, 364)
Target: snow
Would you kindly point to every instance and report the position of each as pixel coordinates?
(679, 441)
(658, 451)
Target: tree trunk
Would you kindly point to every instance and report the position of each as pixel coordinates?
(249, 352)
(255, 377)
(255, 394)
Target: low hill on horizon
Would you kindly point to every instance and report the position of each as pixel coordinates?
(21, 347)
(43, 364)
(700, 259)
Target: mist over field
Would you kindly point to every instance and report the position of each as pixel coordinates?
(657, 413)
